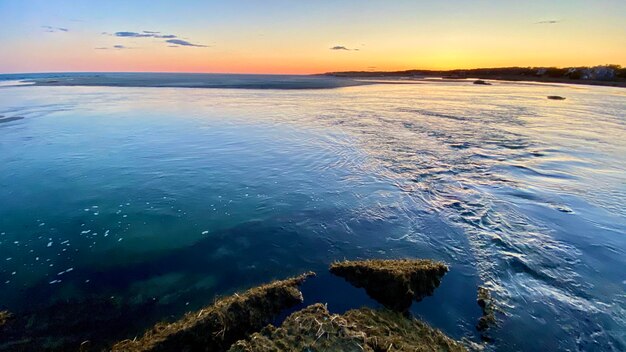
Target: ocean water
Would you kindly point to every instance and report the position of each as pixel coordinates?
(125, 204)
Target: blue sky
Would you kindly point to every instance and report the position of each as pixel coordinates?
(297, 36)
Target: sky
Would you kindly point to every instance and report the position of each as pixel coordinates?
(306, 36)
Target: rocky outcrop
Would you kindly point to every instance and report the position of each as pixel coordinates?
(488, 318)
(239, 322)
(393, 283)
(315, 329)
(216, 327)
(5, 316)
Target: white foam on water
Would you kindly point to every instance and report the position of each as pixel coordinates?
(13, 83)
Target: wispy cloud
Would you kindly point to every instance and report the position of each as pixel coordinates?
(184, 43)
(171, 39)
(144, 34)
(118, 47)
(341, 47)
(548, 22)
(131, 34)
(51, 29)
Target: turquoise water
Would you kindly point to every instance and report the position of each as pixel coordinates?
(159, 199)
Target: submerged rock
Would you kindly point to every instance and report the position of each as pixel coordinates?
(393, 283)
(555, 97)
(480, 81)
(216, 327)
(64, 325)
(364, 329)
(488, 318)
(5, 316)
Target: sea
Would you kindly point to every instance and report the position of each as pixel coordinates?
(132, 198)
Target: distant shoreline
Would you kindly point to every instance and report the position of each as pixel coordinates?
(617, 84)
(181, 80)
(614, 76)
(313, 81)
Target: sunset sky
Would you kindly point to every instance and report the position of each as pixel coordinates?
(292, 36)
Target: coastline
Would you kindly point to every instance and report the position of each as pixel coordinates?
(328, 80)
(412, 79)
(178, 80)
(476, 74)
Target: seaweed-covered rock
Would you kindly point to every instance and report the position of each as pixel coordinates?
(216, 327)
(315, 329)
(64, 325)
(393, 283)
(555, 97)
(488, 318)
(5, 316)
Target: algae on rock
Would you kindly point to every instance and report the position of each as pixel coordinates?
(393, 283)
(63, 325)
(216, 327)
(365, 329)
(5, 316)
(488, 318)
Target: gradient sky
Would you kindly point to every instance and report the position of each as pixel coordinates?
(292, 36)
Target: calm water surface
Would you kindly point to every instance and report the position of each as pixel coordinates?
(159, 199)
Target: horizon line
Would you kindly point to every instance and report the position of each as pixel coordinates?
(310, 74)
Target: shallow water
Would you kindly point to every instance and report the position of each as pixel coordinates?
(162, 198)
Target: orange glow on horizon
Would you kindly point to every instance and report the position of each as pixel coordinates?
(299, 37)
